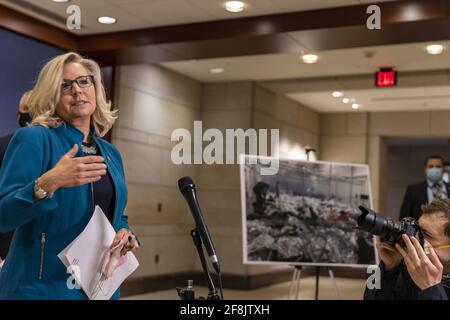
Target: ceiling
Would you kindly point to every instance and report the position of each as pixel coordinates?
(277, 68)
(139, 14)
(377, 99)
(404, 57)
(274, 68)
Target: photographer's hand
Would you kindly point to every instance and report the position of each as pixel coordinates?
(424, 271)
(389, 255)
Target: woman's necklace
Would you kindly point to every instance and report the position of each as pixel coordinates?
(89, 148)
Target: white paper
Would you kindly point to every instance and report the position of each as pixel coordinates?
(85, 254)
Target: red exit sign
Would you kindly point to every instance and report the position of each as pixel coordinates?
(386, 78)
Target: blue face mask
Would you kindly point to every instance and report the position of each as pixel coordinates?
(434, 174)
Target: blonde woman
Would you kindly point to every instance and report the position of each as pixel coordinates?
(53, 174)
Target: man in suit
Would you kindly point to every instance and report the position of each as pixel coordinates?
(424, 192)
(24, 119)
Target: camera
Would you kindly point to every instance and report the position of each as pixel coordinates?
(390, 231)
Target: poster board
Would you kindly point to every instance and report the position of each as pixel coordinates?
(305, 214)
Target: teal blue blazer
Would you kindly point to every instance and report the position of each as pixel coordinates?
(43, 228)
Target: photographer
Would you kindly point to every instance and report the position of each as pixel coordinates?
(415, 273)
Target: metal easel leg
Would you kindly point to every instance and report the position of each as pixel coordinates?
(299, 273)
(333, 280)
(317, 283)
(295, 284)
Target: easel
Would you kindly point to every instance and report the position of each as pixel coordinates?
(295, 283)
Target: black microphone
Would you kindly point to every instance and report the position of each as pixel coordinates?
(187, 188)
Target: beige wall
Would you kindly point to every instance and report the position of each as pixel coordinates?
(225, 105)
(152, 103)
(361, 138)
(299, 125)
(244, 105)
(343, 137)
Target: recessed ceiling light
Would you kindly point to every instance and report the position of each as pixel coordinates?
(60, 0)
(234, 6)
(337, 94)
(435, 48)
(355, 106)
(106, 20)
(310, 58)
(346, 100)
(216, 70)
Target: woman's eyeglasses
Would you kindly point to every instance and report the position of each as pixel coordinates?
(82, 82)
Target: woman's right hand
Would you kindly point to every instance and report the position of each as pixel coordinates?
(71, 171)
(390, 256)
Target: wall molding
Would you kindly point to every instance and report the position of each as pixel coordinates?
(33, 28)
(141, 285)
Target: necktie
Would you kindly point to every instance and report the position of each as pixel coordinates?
(437, 192)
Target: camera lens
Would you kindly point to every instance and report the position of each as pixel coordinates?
(373, 223)
(390, 231)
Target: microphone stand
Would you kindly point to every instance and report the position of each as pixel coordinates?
(188, 294)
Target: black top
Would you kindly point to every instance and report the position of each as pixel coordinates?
(4, 141)
(396, 284)
(104, 194)
(5, 238)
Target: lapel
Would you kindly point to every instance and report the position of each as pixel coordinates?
(423, 194)
(447, 187)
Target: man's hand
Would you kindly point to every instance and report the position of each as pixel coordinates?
(131, 244)
(390, 256)
(424, 271)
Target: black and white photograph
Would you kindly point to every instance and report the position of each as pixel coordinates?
(306, 213)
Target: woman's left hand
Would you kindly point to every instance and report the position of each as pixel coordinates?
(131, 243)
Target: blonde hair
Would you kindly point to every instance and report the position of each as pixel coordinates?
(47, 91)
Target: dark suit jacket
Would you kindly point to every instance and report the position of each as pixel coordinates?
(416, 195)
(4, 141)
(5, 238)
